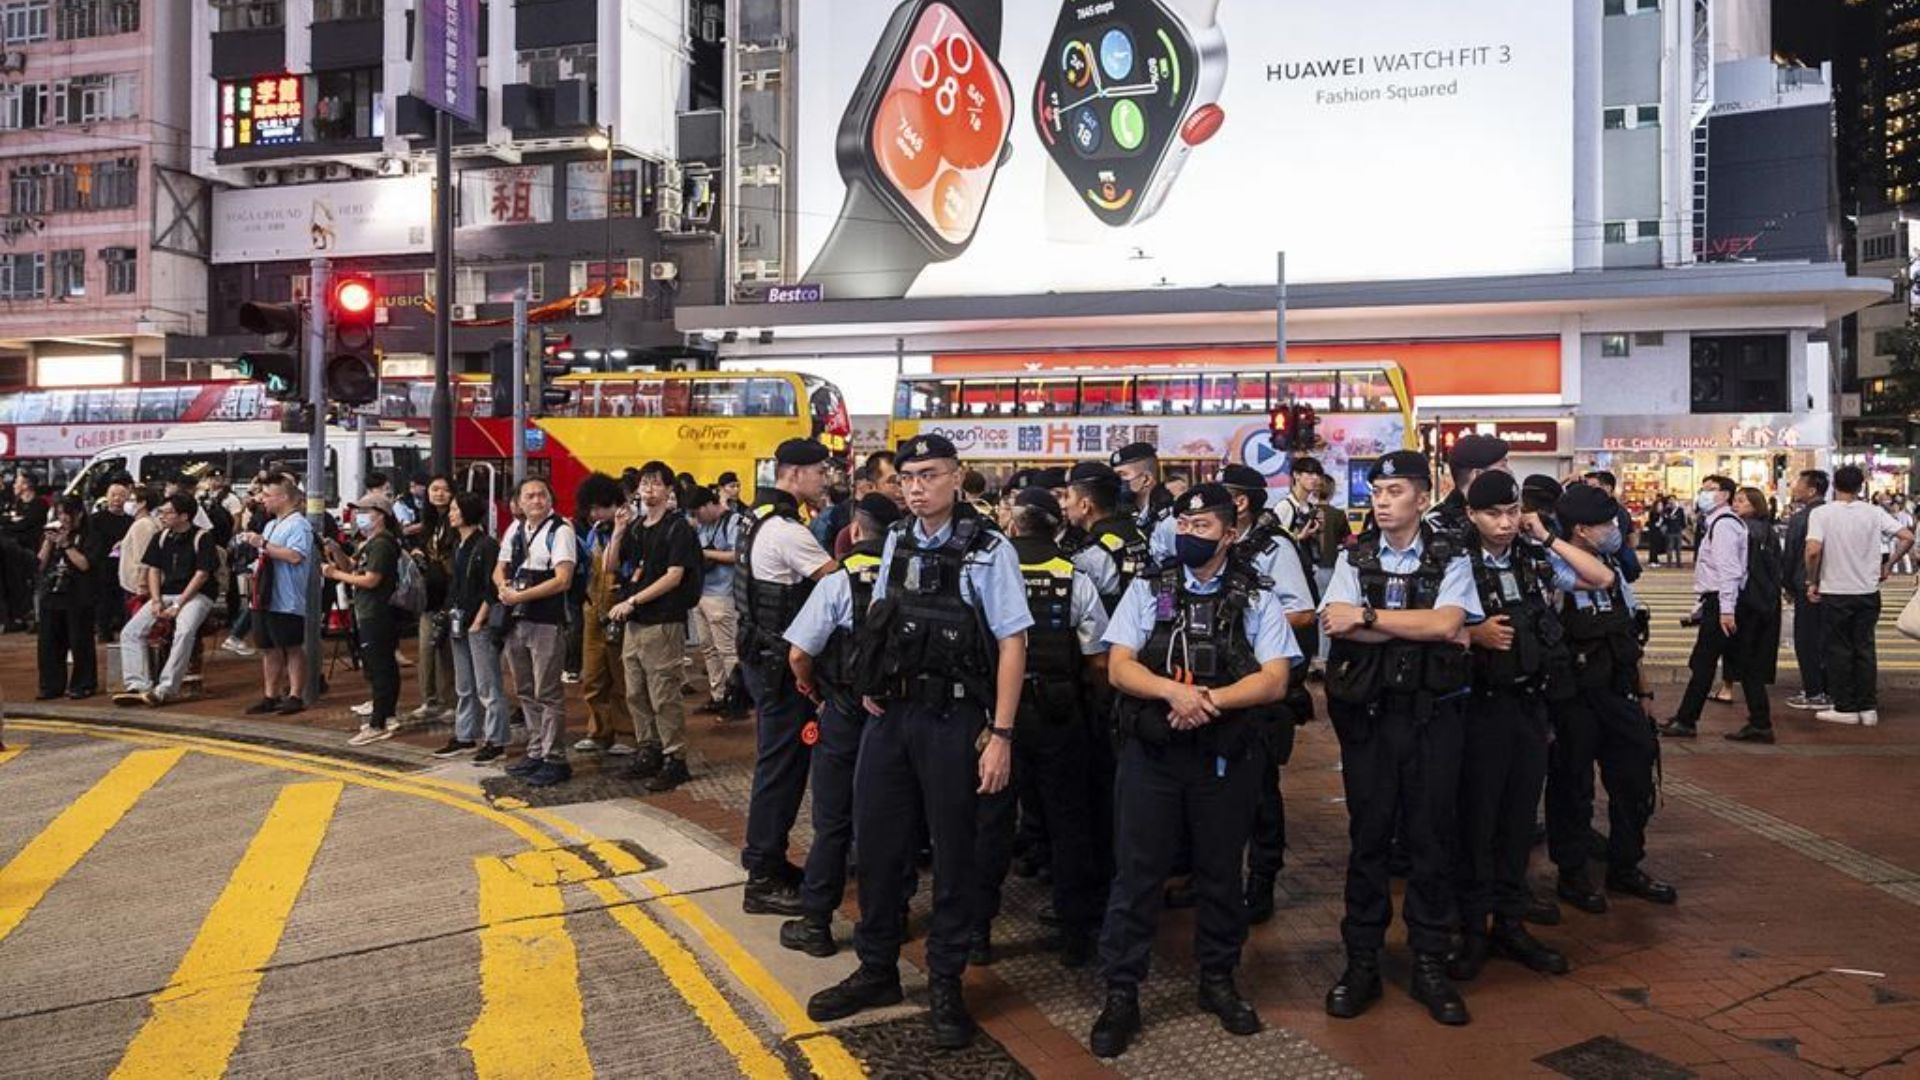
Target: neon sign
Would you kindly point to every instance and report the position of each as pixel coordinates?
(266, 111)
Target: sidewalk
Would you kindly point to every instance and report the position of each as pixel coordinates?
(1791, 952)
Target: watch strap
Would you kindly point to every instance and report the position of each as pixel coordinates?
(983, 18)
(869, 255)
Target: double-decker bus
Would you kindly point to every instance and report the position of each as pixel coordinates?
(704, 423)
(1202, 419)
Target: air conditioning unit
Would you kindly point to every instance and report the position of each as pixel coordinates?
(684, 363)
(587, 307)
(465, 312)
(664, 271)
(13, 60)
(337, 171)
(307, 173)
(262, 177)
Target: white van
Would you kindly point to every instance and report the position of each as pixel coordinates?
(242, 449)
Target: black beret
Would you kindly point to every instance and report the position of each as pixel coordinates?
(1134, 452)
(1092, 472)
(1542, 484)
(878, 507)
(1476, 451)
(1495, 487)
(1584, 504)
(727, 478)
(1055, 477)
(1039, 498)
(1245, 477)
(1020, 480)
(697, 496)
(1402, 464)
(800, 452)
(925, 448)
(1205, 497)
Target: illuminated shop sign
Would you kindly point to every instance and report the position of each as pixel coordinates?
(266, 111)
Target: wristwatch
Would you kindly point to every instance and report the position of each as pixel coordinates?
(1001, 732)
(1368, 616)
(922, 139)
(1127, 89)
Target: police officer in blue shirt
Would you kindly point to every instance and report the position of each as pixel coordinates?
(1139, 467)
(1114, 551)
(822, 657)
(1199, 658)
(943, 659)
(1520, 664)
(1397, 608)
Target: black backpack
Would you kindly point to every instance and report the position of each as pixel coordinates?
(1766, 570)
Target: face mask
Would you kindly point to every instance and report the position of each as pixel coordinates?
(1705, 501)
(363, 522)
(1608, 543)
(1194, 552)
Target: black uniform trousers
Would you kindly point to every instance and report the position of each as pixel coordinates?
(1810, 646)
(1267, 845)
(832, 779)
(917, 763)
(1165, 798)
(1710, 648)
(1611, 729)
(17, 572)
(1852, 664)
(779, 767)
(1502, 769)
(1399, 768)
(66, 629)
(1050, 755)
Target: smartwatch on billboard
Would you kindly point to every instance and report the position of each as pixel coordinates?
(918, 147)
(1127, 89)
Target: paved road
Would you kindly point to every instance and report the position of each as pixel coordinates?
(1669, 594)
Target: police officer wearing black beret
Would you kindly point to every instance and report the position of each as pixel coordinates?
(1138, 465)
(1471, 455)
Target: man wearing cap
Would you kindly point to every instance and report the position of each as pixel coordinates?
(1520, 661)
(1115, 551)
(1397, 679)
(821, 654)
(1138, 465)
(1608, 722)
(1065, 654)
(947, 634)
(1200, 649)
(1272, 554)
(1472, 454)
(777, 560)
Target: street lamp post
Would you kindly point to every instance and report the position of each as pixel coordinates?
(602, 139)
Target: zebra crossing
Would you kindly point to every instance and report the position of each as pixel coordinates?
(1668, 594)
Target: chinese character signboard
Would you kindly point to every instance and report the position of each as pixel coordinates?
(265, 111)
(445, 65)
(522, 195)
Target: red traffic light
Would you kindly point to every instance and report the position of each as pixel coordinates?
(353, 297)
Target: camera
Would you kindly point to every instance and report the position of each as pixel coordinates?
(615, 630)
(455, 624)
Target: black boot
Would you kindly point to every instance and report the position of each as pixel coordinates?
(1220, 997)
(947, 1015)
(1259, 899)
(646, 762)
(980, 947)
(1465, 962)
(1635, 882)
(1358, 988)
(1117, 1024)
(1511, 938)
(1432, 989)
(1179, 894)
(866, 988)
(1076, 948)
(771, 896)
(810, 934)
(673, 773)
(1542, 911)
(1576, 888)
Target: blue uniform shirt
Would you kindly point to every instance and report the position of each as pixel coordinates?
(829, 607)
(1160, 542)
(1565, 578)
(1590, 597)
(990, 579)
(1456, 588)
(1098, 563)
(1280, 564)
(1089, 616)
(1265, 621)
(722, 535)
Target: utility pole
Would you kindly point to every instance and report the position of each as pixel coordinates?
(1280, 311)
(442, 423)
(319, 284)
(519, 389)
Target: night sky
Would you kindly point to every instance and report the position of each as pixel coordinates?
(1804, 29)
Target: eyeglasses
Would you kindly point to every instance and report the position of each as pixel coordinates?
(920, 479)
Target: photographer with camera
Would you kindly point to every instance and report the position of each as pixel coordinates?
(532, 574)
(70, 559)
(281, 576)
(480, 701)
(658, 558)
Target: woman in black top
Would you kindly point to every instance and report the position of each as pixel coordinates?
(432, 550)
(480, 709)
(71, 558)
(372, 574)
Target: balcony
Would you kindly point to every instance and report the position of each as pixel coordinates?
(348, 43)
(245, 54)
(565, 108)
(414, 119)
(543, 24)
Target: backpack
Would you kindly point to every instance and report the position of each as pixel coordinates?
(1766, 571)
(409, 586)
(694, 573)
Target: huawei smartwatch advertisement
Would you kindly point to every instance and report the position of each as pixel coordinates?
(970, 147)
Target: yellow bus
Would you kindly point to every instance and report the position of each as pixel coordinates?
(1202, 419)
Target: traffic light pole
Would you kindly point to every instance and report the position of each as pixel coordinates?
(1280, 312)
(520, 377)
(318, 285)
(442, 424)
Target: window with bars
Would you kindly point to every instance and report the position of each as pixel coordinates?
(23, 106)
(23, 276)
(90, 99)
(544, 67)
(96, 18)
(96, 185)
(69, 273)
(250, 14)
(23, 21)
(27, 190)
(339, 10)
(122, 264)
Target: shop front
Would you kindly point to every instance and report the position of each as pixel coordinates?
(1671, 455)
(1534, 445)
(1888, 472)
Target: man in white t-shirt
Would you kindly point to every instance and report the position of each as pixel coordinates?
(1847, 559)
(537, 557)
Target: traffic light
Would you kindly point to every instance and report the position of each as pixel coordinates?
(1280, 426)
(1306, 427)
(552, 367)
(500, 367)
(279, 367)
(353, 370)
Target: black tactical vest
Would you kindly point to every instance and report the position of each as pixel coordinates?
(835, 668)
(924, 632)
(1361, 673)
(1122, 540)
(1053, 647)
(1199, 639)
(1603, 634)
(1522, 591)
(1267, 532)
(766, 609)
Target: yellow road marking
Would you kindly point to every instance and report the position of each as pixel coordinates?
(12, 752)
(825, 1053)
(48, 857)
(198, 1017)
(531, 1020)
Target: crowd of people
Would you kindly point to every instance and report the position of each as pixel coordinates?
(1095, 670)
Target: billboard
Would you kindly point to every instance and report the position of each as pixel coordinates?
(345, 219)
(444, 68)
(974, 147)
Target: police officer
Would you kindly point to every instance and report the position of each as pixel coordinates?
(1540, 496)
(1272, 554)
(944, 650)
(1609, 722)
(1138, 465)
(1200, 654)
(1115, 551)
(778, 561)
(1472, 454)
(1397, 677)
(1065, 651)
(1520, 660)
(821, 655)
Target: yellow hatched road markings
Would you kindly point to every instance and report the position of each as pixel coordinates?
(197, 1018)
(12, 752)
(47, 858)
(531, 1020)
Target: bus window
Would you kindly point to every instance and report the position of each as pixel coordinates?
(1235, 392)
(771, 397)
(157, 469)
(160, 403)
(719, 397)
(126, 404)
(827, 410)
(400, 463)
(1314, 389)
(394, 403)
(616, 399)
(1367, 391)
(1048, 397)
(94, 480)
(676, 397)
(1106, 395)
(33, 409)
(1168, 395)
(648, 397)
(987, 397)
(94, 407)
(927, 399)
(61, 406)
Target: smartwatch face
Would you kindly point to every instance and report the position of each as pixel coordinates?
(1115, 82)
(939, 123)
